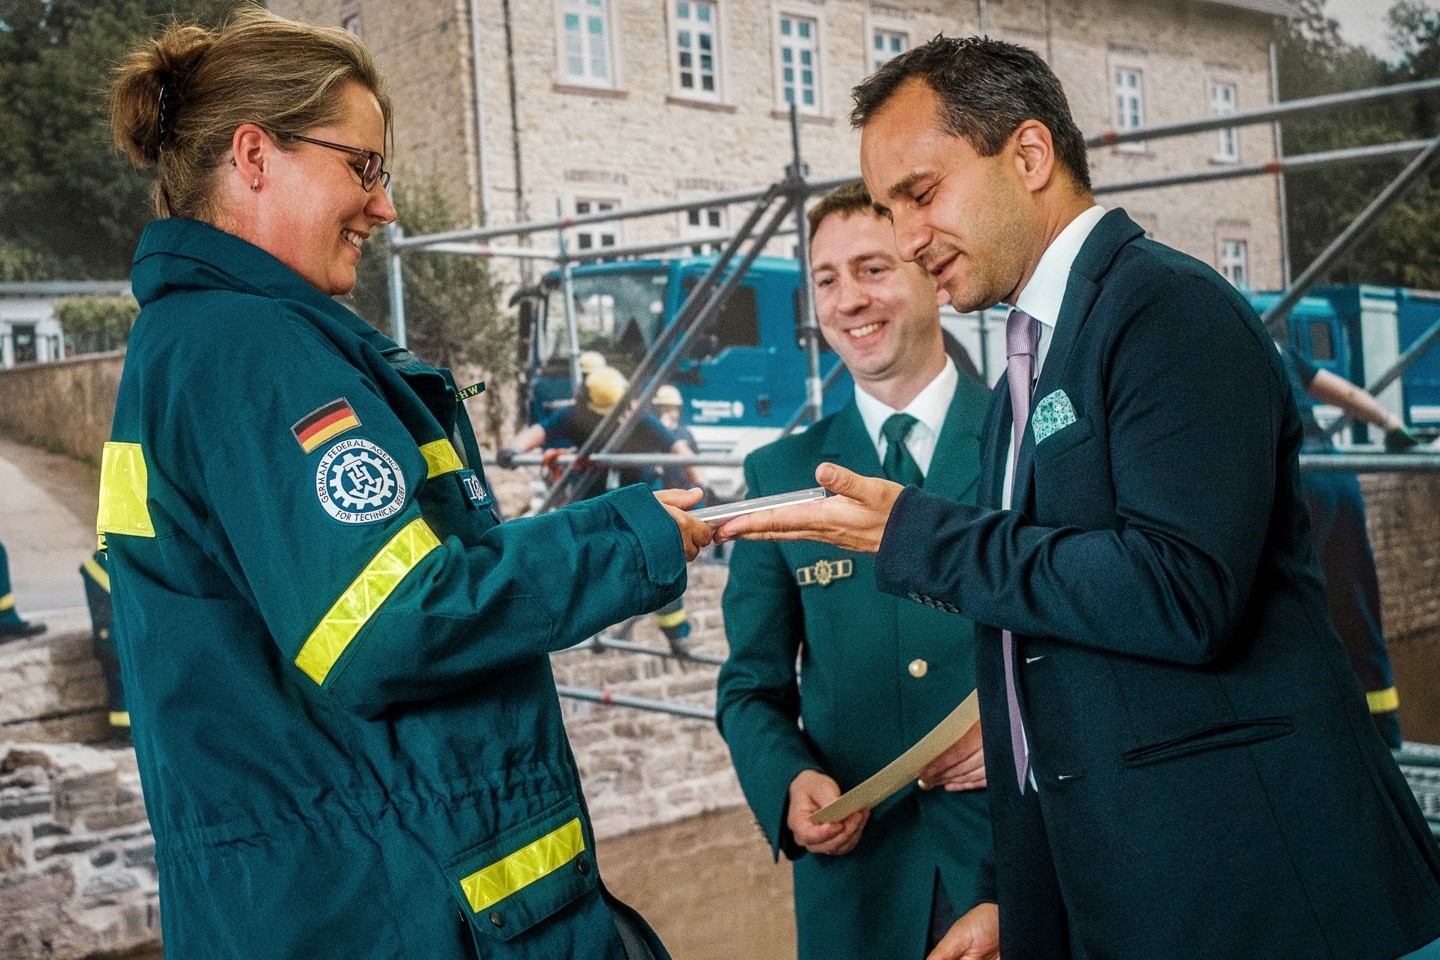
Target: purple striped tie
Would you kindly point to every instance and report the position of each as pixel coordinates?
(1022, 339)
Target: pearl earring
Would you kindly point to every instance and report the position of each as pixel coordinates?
(255, 184)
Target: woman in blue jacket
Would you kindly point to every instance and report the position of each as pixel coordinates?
(335, 654)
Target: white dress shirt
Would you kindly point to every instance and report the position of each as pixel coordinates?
(1042, 298)
(929, 407)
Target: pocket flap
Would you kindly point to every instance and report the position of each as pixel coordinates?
(1233, 733)
(509, 884)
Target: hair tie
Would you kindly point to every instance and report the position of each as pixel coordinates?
(162, 126)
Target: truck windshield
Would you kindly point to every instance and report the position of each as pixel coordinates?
(619, 314)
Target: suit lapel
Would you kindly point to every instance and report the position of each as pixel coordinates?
(847, 443)
(956, 463)
(1082, 287)
(997, 429)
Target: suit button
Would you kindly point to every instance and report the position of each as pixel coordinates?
(583, 866)
(914, 596)
(496, 919)
(918, 668)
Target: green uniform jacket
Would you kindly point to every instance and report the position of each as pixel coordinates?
(335, 657)
(859, 703)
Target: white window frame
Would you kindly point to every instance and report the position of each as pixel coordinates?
(587, 77)
(873, 57)
(702, 223)
(796, 13)
(717, 45)
(1227, 139)
(1233, 261)
(1131, 116)
(593, 236)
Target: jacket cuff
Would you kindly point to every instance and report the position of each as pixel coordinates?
(659, 537)
(906, 561)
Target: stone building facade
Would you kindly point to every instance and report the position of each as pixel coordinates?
(594, 104)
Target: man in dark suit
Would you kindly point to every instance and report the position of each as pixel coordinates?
(878, 672)
(1180, 759)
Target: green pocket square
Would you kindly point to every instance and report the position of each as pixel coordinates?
(1052, 414)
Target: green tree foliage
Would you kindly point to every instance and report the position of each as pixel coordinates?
(1404, 247)
(71, 207)
(94, 324)
(452, 315)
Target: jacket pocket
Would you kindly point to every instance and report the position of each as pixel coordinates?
(511, 883)
(1066, 438)
(1235, 733)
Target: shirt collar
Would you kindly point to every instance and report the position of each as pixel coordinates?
(1044, 294)
(930, 405)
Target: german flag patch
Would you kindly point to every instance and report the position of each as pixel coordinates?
(329, 421)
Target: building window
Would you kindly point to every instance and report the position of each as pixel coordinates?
(1129, 104)
(799, 63)
(886, 45)
(585, 41)
(595, 236)
(697, 48)
(1235, 262)
(705, 222)
(1224, 100)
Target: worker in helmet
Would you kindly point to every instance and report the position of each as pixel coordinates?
(570, 428)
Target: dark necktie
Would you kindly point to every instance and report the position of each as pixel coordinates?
(1022, 341)
(899, 465)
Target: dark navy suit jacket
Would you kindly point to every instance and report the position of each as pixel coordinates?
(1209, 782)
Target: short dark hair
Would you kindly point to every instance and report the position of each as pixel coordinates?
(846, 200)
(986, 88)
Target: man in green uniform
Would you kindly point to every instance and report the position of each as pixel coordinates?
(878, 672)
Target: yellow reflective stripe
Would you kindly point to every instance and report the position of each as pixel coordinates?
(441, 457)
(120, 718)
(97, 573)
(362, 598)
(1383, 701)
(124, 490)
(667, 620)
(7, 602)
(523, 867)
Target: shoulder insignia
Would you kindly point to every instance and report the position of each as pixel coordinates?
(824, 572)
(323, 424)
(357, 482)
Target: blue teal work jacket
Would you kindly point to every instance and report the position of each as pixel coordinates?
(335, 655)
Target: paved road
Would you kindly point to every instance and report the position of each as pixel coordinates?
(44, 500)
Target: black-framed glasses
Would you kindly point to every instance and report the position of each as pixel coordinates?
(374, 162)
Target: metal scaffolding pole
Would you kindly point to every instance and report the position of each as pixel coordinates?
(397, 285)
(567, 281)
(1279, 111)
(1304, 161)
(1370, 462)
(1274, 318)
(609, 699)
(795, 175)
(600, 643)
(609, 216)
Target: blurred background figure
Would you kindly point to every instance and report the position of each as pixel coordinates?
(96, 578)
(12, 625)
(1337, 520)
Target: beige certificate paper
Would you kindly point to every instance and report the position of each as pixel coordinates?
(906, 767)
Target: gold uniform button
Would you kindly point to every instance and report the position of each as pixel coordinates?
(918, 668)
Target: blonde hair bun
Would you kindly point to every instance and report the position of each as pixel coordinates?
(147, 83)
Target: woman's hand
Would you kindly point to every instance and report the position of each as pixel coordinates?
(695, 534)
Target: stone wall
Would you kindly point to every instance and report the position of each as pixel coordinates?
(77, 862)
(1404, 519)
(64, 406)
